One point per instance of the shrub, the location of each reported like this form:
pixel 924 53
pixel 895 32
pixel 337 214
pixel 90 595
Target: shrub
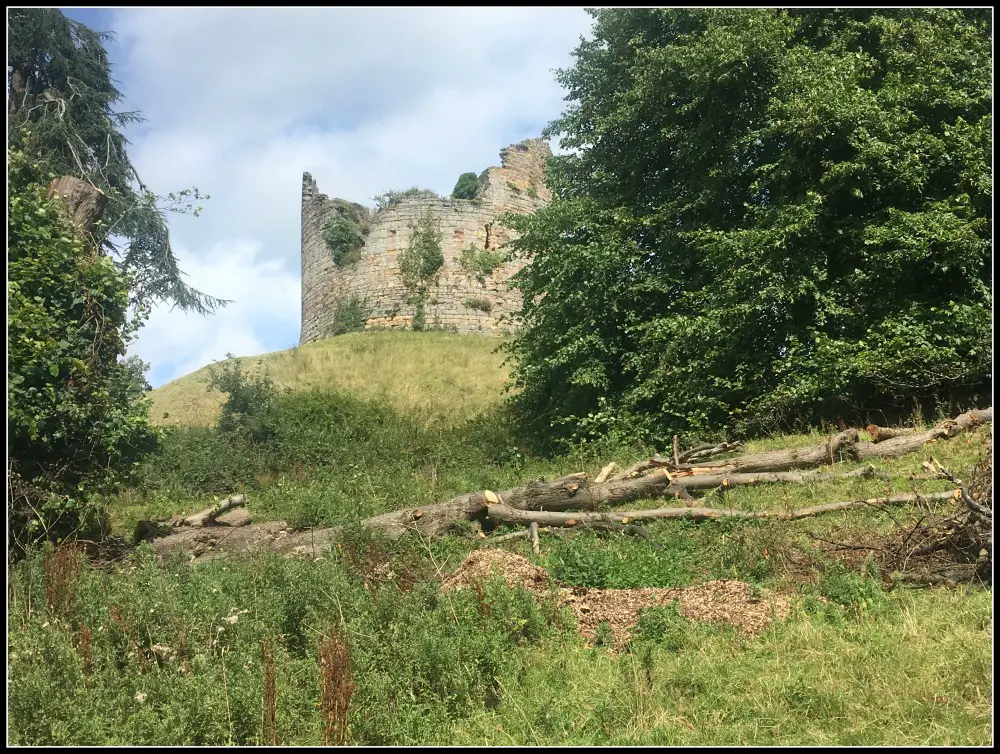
pixel 344 239
pixel 419 265
pixel 856 592
pixel 479 303
pixel 349 315
pixel 391 198
pixel 247 414
pixel 466 187
pixel 480 262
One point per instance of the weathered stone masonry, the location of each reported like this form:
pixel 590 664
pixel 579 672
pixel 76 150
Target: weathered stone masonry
pixel 517 186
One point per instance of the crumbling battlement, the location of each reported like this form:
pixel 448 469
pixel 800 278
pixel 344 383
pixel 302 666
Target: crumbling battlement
pixel 518 185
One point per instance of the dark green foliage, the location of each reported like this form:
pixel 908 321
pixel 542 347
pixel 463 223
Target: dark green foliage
pixel 465 187
pixel 248 413
pixel 76 420
pixel 343 239
pixel 60 88
pixel 345 231
pixel 664 626
pixel 616 561
pixel 854 591
pixel 773 216
pixel 349 315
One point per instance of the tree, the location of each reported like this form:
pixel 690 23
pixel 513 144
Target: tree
pixel 60 88
pixel 465 187
pixel 77 420
pixel 769 216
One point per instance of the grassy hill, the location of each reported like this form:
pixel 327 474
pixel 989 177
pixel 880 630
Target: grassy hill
pixel 428 374
pixel 244 649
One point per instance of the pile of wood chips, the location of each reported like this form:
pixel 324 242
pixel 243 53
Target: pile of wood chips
pixel 734 602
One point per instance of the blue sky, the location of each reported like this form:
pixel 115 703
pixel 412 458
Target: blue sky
pixel 239 102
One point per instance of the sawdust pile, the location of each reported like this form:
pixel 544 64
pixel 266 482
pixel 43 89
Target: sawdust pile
pixel 734 602
pixel 480 565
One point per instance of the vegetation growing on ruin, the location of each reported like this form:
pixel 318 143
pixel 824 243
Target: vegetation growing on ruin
pixel 345 231
pixel 391 197
pixel 419 265
pixel 480 262
pixel 465 187
pixel 478 303
pixel 349 315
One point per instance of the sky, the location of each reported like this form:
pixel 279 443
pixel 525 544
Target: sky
pixel 241 102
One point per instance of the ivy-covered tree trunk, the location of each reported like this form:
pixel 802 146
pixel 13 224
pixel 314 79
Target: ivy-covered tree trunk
pixel 77 420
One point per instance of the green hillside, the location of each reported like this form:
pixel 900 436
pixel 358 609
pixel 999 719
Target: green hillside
pixel 431 374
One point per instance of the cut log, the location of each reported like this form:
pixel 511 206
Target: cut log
pixel 606 472
pixel 911 443
pixel 533 536
pixel 838 447
pixel 637 469
pixel 84 203
pixel 878 434
pixel 208 516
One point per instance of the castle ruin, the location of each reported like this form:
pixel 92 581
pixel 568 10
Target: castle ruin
pixel 458 298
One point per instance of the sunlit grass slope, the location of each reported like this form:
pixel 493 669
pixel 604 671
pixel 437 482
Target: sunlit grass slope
pixel 424 374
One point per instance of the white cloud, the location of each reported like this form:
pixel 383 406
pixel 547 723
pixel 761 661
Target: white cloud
pixel 239 102
pixel 262 317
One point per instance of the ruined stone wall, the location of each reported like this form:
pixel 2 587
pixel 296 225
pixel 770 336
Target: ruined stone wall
pixel 518 185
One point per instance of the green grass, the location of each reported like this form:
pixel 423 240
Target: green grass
pixel 434 376
pixel 852 665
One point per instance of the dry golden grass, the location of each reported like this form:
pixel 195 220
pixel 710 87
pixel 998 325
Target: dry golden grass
pixel 441 376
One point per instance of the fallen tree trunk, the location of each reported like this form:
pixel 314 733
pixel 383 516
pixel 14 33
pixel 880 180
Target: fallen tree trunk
pixel 838 447
pixel 547 503
pixel 910 443
pixel 563 494
pixel 504 514
pixel 711 481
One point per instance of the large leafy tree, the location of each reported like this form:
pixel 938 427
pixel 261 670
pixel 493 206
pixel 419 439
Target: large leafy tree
pixel 768 216
pixel 60 90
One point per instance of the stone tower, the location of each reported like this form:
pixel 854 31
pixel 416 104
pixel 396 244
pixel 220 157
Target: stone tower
pixel 459 299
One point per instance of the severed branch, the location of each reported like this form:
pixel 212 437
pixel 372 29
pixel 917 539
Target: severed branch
pixel 606 473
pixel 878 434
pixel 711 481
pixel 707 451
pixel 912 442
pixel 504 514
pixel 207 517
